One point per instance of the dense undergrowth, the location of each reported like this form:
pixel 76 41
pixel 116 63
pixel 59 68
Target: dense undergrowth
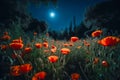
pixel 42 58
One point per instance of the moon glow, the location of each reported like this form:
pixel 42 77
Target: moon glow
pixel 52 14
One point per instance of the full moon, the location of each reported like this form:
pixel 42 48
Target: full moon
pixel 52 14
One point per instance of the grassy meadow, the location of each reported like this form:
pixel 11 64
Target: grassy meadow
pixel 42 58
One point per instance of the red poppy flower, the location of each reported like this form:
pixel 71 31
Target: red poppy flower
pixel 27 50
pixel 45 44
pixel 38 45
pixel 15 70
pixel 3 47
pixel 105 63
pixel 65 51
pixel 39 76
pixel 25 68
pixel 97 33
pixel 71 44
pixel 20 69
pixel 74 39
pixel 16 46
pixel 109 41
pixel 5 37
pixel 75 76
pixel 53 59
pixel 66 44
pixel 86 43
pixel 53 49
pixel 17 40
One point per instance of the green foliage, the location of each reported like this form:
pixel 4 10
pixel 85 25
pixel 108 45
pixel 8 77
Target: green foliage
pixel 15 29
pixel 15 13
pixel 79 60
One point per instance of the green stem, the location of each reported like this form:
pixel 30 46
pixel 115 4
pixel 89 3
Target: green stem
pixel 86 78
pixel 19 58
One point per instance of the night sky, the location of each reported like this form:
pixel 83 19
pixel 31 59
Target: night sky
pixel 64 12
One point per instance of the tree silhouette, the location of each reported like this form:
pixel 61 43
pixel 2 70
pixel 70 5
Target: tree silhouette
pixel 17 10
pixel 81 30
pixel 71 33
pixel 37 26
pixel 65 34
pixel 104 15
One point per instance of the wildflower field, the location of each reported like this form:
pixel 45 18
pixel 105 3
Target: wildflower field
pixel 42 58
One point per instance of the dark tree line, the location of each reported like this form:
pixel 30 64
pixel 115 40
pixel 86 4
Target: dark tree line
pixel 72 30
pixel 104 15
pixel 14 15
